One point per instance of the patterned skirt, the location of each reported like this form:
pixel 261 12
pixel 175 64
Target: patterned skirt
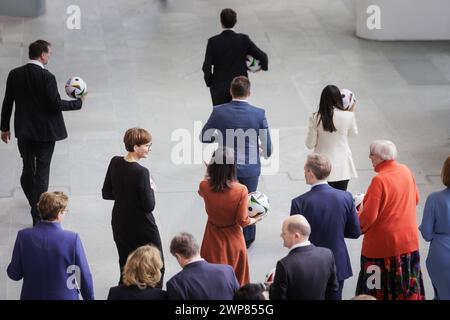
pixel 393 278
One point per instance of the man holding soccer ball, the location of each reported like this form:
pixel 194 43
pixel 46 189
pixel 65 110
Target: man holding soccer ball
pixel 38 119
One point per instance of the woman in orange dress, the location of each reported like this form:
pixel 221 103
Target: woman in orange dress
pixel 227 207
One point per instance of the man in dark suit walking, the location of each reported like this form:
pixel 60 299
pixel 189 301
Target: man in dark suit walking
pixel 199 280
pixel 240 126
pixel 38 120
pixel 307 272
pixel 331 214
pixel 225 58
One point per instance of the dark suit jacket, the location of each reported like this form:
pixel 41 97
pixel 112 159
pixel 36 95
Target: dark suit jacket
pixel 38 115
pixel 227 52
pixel 306 273
pixel 123 292
pixel 332 216
pixel 241 115
pixel 201 280
pixel 46 257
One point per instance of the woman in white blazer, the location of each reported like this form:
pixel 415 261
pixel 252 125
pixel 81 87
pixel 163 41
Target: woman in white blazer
pixel 328 133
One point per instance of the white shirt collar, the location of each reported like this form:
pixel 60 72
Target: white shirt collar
pixel 240 100
pixel 301 244
pixel 37 62
pixel 194 260
pixel 318 183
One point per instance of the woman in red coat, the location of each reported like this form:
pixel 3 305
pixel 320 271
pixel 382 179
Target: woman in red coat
pixel 390 259
pixel 227 207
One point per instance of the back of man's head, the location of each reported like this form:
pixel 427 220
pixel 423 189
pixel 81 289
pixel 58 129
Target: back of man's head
pixel 319 164
pixel 240 87
pixel 185 245
pixel 36 49
pixel 228 18
pixel 298 224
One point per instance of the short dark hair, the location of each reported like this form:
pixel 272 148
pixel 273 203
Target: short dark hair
pixel 228 18
pixel 185 245
pixel 222 169
pixel 136 137
pixel 250 291
pixel 446 172
pixel 36 48
pixel 51 204
pixel 240 86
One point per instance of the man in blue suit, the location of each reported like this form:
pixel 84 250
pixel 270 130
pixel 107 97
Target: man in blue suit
pixel 50 260
pixel 240 126
pixel 199 280
pixel 331 214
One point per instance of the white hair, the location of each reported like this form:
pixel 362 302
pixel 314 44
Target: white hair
pixel 385 149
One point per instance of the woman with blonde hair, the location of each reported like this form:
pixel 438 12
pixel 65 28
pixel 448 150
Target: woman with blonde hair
pixel 141 275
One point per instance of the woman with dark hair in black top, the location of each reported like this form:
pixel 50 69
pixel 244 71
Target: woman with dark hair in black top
pixel 130 186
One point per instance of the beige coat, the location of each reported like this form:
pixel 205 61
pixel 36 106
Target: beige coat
pixel 335 144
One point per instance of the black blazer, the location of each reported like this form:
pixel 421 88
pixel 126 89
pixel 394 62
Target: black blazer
pixel 306 273
pixel 201 280
pixel 123 292
pixel 227 52
pixel 38 115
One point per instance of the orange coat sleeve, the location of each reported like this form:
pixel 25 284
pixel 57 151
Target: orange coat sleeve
pixel 371 204
pixel 242 217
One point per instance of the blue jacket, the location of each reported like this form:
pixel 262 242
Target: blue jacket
pixel 332 216
pixel 240 115
pixel 201 280
pixel 48 258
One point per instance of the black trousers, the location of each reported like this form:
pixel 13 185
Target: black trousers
pixel 36 157
pixel 341 185
pixel 249 232
pixel 125 248
pixel 220 96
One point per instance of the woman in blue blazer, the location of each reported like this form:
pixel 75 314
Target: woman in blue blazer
pixel 435 228
pixel 50 260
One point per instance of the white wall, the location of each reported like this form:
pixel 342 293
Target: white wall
pixel 405 20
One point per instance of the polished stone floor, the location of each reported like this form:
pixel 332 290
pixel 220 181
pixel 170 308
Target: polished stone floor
pixel 142 62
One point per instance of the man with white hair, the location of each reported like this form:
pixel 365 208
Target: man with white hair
pixel 332 215
pixel 307 272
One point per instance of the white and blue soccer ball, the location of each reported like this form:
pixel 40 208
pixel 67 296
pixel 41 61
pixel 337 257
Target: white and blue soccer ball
pixel 348 98
pixel 253 64
pixel 258 204
pixel 76 87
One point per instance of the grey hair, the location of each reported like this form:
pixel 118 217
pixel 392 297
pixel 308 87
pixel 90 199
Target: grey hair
pixel 185 245
pixel 319 164
pixel 385 149
pixel 298 223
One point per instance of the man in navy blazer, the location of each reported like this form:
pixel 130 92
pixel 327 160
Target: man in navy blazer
pixel 331 214
pixel 307 272
pixel 225 58
pixel 199 280
pixel 50 260
pixel 244 128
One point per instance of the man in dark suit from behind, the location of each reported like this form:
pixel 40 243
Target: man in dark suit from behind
pixel 38 120
pixel 199 280
pixel 331 214
pixel 307 272
pixel 225 58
